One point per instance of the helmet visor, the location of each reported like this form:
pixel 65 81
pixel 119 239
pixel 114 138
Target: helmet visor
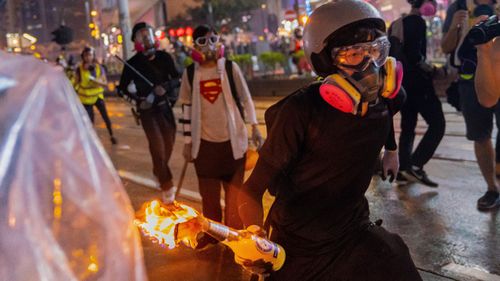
pixel 359 56
pixel 146 37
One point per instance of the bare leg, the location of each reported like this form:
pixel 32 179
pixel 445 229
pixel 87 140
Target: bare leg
pixel 486 160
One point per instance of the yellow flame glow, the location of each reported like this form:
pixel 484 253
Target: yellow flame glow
pixel 159 221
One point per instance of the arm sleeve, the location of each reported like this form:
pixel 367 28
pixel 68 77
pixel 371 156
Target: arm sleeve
pixel 125 79
pixel 286 133
pixel 414 39
pixel 172 70
pixel 390 143
pixel 250 197
pixel 285 138
pixel 244 94
pixel 394 107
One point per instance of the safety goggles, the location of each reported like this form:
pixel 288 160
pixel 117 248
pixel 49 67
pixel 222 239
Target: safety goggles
pixel 360 55
pixel 203 41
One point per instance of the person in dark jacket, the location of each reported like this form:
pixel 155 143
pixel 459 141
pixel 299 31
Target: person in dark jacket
pixel 153 95
pixel 421 97
pixel 322 146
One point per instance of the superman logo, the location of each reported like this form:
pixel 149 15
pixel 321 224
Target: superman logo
pixel 210 89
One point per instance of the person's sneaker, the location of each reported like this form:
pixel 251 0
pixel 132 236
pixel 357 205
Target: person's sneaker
pixel 114 140
pixel 419 175
pixel 402 178
pixel 489 200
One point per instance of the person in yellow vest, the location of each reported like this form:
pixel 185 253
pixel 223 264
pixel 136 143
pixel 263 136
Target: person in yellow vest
pixel 90 81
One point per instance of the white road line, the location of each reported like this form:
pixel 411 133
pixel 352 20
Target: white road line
pixel 147 182
pixel 469 272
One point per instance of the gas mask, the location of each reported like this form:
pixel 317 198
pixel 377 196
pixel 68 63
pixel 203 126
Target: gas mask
pixel 365 60
pixel 146 42
pixel 207 48
pixel 428 9
pixel 365 73
pixel 369 82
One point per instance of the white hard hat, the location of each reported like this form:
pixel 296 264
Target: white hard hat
pixel 329 18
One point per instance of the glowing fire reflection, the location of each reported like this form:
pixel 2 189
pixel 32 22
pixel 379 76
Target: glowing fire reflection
pixel 158 221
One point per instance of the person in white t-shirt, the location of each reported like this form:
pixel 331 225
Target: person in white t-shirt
pixel 216 103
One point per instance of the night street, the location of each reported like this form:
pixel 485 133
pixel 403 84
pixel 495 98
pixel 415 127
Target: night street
pixel 448 237
pixel 102 102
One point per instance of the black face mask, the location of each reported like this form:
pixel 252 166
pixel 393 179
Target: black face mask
pixel 368 82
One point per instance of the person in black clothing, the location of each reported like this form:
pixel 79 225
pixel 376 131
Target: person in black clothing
pixel 322 147
pixel 153 102
pixel 421 97
pixel 479 119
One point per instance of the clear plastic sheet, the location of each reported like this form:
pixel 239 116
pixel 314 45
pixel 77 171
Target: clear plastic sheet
pixel 64 214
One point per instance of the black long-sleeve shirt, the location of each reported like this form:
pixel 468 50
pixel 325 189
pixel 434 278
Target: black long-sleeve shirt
pixel 158 71
pixel 415 42
pixel 319 161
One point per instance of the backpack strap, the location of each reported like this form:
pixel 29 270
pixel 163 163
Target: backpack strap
pixel 234 93
pixel 190 74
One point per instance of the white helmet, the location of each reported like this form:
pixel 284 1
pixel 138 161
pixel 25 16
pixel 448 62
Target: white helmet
pixel 329 18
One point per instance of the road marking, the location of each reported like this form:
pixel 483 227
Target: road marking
pixel 471 272
pixel 147 182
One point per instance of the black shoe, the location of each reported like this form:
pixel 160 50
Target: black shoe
pixel 421 176
pixel 402 179
pixel 489 200
pixel 114 140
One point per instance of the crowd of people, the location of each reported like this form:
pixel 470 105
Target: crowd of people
pixel 324 140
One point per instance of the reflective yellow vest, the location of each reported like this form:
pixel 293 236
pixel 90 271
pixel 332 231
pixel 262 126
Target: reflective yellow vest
pixel 88 91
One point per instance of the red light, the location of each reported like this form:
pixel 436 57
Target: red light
pixel 180 32
pixel 189 31
pixel 171 32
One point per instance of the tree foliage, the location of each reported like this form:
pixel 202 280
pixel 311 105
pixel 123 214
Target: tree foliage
pixel 225 13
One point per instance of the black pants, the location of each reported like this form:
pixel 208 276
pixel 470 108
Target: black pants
pixel 373 254
pixel 159 126
pixel 104 113
pixel 421 99
pixel 215 167
pixel 479 119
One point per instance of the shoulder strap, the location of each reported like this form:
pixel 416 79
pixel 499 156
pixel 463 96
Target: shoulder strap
pixel 234 93
pixel 190 74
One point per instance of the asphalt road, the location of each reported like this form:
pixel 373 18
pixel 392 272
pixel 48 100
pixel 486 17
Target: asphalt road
pixel 448 237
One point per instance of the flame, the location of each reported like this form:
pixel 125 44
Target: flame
pixel 159 221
